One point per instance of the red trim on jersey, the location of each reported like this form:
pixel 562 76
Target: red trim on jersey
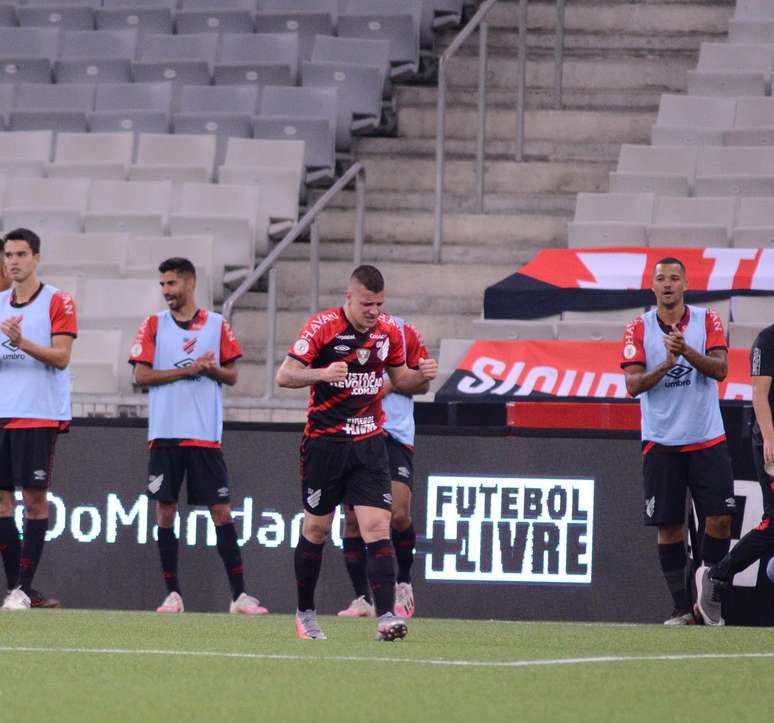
pixel 633 349
pixel 63 314
pixel 688 447
pixel 144 344
pixel 716 338
pixel 648 446
pixel 415 346
pixel 206 443
pixel 62 426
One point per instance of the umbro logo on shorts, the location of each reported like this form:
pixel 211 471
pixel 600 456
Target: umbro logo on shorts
pixel 650 506
pixel 313 497
pixel 223 492
pixel 403 472
pixel 154 483
pixel 387 498
pixel 731 502
pixel 39 475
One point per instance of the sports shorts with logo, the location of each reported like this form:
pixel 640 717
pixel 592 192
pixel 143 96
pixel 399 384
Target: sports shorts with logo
pixel 401 461
pixel 344 472
pixel 203 469
pixel 27 457
pixel 667 473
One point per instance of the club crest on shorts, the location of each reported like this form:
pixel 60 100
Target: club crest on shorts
pixel 363 355
pixel 154 483
pixel 313 497
pixel 650 506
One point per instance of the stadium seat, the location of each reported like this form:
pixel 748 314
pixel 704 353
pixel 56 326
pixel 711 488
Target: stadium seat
pixel 7 15
pixel 735 171
pixel 742 335
pixel 27 55
pixel 257 59
pixel 372 53
pixel 89 56
pixel 62 107
pixel 598 330
pixel 92 155
pixel 117 303
pixel 25 153
pixel 306 18
pixel 64 14
pixel 223 16
pixel 84 253
pixel 661 170
pixel 693 120
pixel 315 133
pixel 174 158
pixel 752 309
pixel 447 12
pixel 181 59
pixel 451 353
pixel 7 92
pixel 222 111
pixel 139 207
pixel 96 360
pixel 751 31
pixel 692 221
pixel 730 70
pixel 67 283
pixel 149 16
pixel 140 107
pixel 755 223
pixel 515 328
pixel 753 123
pixel 610 219
pixel 754 10
pixel 232 214
pixel 621 315
pixel 46 203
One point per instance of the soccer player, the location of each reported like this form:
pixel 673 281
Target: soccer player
pixel 673 357
pixel 342 355
pixel 37 326
pixel 185 355
pixel 399 438
pixel 759 542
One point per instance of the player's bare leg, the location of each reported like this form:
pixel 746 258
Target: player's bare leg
pixel 403 540
pixel 355 561
pixel 308 560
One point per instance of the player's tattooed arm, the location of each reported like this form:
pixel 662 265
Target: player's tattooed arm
pixel 714 364
pixel 409 381
pixel 57 355
pixel 638 380
pixel 292 374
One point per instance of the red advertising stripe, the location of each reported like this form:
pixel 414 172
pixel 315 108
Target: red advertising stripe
pixel 573 415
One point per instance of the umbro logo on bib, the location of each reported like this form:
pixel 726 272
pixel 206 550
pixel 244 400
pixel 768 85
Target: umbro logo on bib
pixel 8 345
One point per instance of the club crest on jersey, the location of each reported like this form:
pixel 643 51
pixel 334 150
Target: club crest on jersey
pixel 363 355
pixel 384 349
pixel 189 344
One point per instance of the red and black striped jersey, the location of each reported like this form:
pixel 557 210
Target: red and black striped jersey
pixel 350 409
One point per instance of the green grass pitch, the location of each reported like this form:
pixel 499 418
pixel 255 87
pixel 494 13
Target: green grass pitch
pixel 119 666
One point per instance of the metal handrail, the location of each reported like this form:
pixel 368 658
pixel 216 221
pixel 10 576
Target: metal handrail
pixel 268 265
pixel 479 20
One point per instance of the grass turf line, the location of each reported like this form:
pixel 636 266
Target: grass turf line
pixel 61 686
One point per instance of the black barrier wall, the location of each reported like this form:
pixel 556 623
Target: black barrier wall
pixel 565 541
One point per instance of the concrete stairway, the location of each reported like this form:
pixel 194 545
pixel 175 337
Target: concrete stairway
pixel 619 58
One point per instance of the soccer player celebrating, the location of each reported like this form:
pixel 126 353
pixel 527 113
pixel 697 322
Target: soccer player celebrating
pixel 185 355
pixel 399 438
pixel 342 355
pixel 37 326
pixel 673 357
pixel 758 542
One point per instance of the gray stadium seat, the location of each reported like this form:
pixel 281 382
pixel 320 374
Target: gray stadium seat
pixel 84 253
pixel 8 15
pixel 92 155
pixel 317 135
pixel 257 59
pixel 742 335
pixel 96 362
pixel 611 219
pixel 447 12
pixel 662 170
pixel 139 107
pixel 7 93
pixel 307 18
pixel 89 56
pixel 752 309
pixel 735 171
pixel 140 207
pixel 150 16
pixel 182 59
pixel 223 111
pixel 753 123
pixel 619 315
pixel 62 107
pixel 373 53
pixel 46 203
pixel 730 70
pixel 692 221
pixel 451 353
pixel 397 21
pixel 751 31
pixel 754 223
pixel 223 16
pixel 544 328
pixel 179 157
pixel 754 10
pixel 598 330
pixel 25 153
pixel 693 120
pixel 64 14
pixel 28 54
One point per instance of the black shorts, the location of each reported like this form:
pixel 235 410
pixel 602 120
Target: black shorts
pixel 767 482
pixel 202 468
pixel 345 472
pixel 668 474
pixel 401 461
pixel 27 457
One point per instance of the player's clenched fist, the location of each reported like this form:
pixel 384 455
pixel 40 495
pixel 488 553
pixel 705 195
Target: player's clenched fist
pixel 336 372
pixel 428 368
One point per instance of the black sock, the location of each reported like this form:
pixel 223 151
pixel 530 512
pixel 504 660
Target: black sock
pixel 380 559
pixel 355 560
pixel 10 546
pixel 308 560
pixel 757 543
pixel 228 549
pixel 673 559
pixel 404 542
pixel 31 551
pixel 168 554
pixel 713 550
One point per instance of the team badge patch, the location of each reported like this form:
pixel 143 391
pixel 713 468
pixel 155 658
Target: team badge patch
pixel 301 347
pixel 630 351
pixel 136 349
pixel 363 355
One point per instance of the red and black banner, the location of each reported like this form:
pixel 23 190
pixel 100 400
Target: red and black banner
pixel 547 369
pixel 597 279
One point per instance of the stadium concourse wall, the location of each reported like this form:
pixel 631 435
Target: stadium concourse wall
pixel 513 523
